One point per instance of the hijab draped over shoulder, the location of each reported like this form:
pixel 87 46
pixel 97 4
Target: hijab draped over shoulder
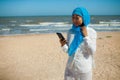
pixel 78 38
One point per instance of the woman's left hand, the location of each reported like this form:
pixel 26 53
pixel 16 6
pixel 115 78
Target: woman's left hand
pixel 84 31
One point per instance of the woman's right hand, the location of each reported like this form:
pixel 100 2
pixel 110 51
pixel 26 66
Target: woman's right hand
pixel 63 42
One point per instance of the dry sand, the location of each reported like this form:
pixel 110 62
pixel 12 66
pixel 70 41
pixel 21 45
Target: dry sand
pixel 39 57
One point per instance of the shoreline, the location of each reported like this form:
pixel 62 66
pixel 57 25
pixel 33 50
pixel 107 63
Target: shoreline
pixel 52 33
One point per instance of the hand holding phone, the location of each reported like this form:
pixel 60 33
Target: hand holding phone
pixel 60 36
pixel 62 39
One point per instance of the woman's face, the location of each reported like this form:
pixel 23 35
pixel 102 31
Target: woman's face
pixel 77 20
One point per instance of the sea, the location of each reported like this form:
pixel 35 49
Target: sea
pixel 22 25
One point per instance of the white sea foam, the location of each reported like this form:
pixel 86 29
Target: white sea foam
pixel 56 24
pixel 98 24
pixel 66 24
pixel 5 29
pixel 61 29
pixel 106 29
pixel 52 23
pixel 114 24
pixel 106 24
pixel 63 25
pixel 111 22
pixel 50 29
pixel 26 25
pixel 38 29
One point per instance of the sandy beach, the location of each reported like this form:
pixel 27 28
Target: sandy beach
pixel 40 57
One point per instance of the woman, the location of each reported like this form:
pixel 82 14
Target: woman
pixel 80 46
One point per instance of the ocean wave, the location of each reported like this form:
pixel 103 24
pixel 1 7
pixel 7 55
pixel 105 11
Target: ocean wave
pixel 106 28
pixel 1 25
pixel 63 25
pixel 56 24
pixel 13 21
pixel 29 21
pixel 5 29
pixel 53 23
pixel 114 24
pixel 66 24
pixel 27 25
pixel 98 25
pixel 38 29
pixel 110 22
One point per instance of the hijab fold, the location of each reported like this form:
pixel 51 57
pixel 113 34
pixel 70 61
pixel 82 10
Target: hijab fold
pixel 76 30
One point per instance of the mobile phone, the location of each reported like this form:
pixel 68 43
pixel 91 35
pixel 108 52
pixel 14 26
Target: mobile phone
pixel 60 36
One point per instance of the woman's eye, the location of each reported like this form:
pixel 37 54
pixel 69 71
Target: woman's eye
pixel 77 18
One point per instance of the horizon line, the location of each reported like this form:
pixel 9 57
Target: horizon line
pixel 50 15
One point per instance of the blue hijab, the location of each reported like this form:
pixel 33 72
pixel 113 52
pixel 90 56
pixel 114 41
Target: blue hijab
pixel 78 38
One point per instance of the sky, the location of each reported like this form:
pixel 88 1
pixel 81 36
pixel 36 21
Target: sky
pixel 57 7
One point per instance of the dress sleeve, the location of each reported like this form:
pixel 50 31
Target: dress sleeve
pixel 90 43
pixel 65 48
